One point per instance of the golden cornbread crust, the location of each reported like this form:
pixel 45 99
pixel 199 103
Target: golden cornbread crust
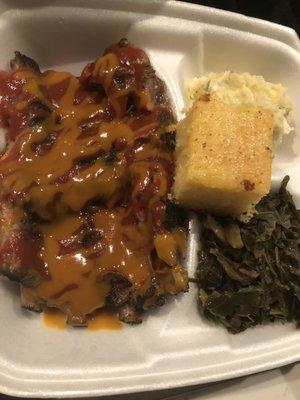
pixel 223 157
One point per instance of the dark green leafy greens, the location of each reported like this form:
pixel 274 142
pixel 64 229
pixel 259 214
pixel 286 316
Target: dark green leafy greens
pixel 175 216
pixel 249 273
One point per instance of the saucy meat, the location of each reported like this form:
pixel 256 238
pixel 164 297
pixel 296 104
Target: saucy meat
pixel 84 184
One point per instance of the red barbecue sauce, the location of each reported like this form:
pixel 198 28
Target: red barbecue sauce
pixel 87 149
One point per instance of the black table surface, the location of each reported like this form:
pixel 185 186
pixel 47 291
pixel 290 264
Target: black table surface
pixel 285 12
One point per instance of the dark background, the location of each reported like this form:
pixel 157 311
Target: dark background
pixel 285 12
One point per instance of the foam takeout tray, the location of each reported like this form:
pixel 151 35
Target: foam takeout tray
pixel 173 346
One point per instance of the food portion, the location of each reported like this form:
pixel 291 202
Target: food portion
pixel 249 90
pixel 223 157
pixel 249 262
pixel 86 176
pixel 249 273
pixel 225 142
pixel 84 183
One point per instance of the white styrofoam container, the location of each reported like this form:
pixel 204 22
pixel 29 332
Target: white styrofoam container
pixel 174 346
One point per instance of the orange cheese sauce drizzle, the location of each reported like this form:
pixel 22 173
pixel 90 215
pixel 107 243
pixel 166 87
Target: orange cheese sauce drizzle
pixel 92 176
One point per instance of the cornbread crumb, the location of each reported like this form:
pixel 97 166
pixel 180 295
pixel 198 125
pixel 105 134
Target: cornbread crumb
pixel 223 157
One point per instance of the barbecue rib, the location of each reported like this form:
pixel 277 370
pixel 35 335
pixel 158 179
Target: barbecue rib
pixel 84 184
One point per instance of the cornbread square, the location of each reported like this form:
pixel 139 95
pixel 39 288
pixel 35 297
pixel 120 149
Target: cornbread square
pixel 223 157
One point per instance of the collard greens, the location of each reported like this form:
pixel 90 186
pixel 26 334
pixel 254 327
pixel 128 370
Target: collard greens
pixel 249 273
